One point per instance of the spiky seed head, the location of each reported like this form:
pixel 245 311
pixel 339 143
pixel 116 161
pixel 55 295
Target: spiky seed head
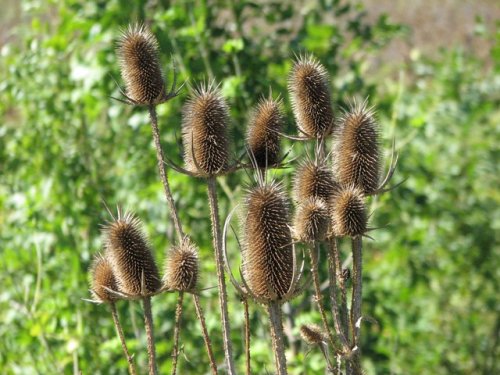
pixel 357 154
pixel 312 220
pixel 205 120
pixel 312 334
pixel 308 85
pixel 268 264
pixel 349 216
pixel 130 256
pixel 313 180
pixel 140 65
pixel 263 132
pixel 102 279
pixel 182 268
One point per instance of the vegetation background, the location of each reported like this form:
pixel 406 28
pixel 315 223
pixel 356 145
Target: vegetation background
pixel 431 276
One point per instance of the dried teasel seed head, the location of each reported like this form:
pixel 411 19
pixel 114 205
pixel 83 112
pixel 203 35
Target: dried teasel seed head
pixel 357 152
pixel 268 263
pixel 182 268
pixel 308 84
pixel 312 220
pixel 349 216
pixel 313 180
pixel 140 66
pixel 130 256
pixel 102 279
pixel 205 123
pixel 263 132
pixel 312 334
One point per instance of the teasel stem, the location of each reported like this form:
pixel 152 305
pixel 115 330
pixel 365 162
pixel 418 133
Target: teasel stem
pixel 148 322
pixel 160 156
pixel 276 326
pixel 177 329
pixel 119 330
pixel 356 299
pixel 247 336
pixel 206 338
pixel 313 251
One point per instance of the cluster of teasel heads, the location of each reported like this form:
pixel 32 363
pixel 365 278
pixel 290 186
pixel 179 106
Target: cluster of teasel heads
pixel 330 189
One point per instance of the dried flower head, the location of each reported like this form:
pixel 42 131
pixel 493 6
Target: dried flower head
pixel 102 280
pixel 140 66
pixel 129 254
pixel 263 132
pixel 313 180
pixel 205 123
pixel 312 220
pixel 312 334
pixel 310 95
pixel 268 262
pixel 357 152
pixel 349 216
pixel 182 268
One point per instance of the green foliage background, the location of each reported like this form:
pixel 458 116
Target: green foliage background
pixel 431 275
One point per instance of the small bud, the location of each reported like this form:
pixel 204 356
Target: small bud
pixel 312 334
pixel 181 269
pixel 313 180
pixel 348 212
pixel 311 220
pixel 102 279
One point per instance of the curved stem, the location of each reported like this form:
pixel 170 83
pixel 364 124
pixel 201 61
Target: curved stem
pixel 177 329
pixel 163 173
pixel 357 290
pixel 119 330
pixel 148 322
pixel 247 336
pixel 206 338
pixel 276 327
pixel 219 262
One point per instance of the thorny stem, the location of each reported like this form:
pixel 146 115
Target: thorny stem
pixel 160 156
pixel 317 290
pixel 177 329
pixel 208 344
pixel 247 336
pixel 119 330
pixel 219 262
pixel 357 290
pixel 276 327
pixel 148 322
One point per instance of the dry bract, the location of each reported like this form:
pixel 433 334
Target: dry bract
pixel 313 180
pixel 102 280
pixel 312 220
pixel 349 216
pixel 182 268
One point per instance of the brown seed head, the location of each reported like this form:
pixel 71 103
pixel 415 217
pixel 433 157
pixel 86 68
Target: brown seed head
pixel 310 95
pixel 313 180
pixel 129 254
pixel 312 220
pixel 140 66
pixel 181 268
pixel 263 132
pixel 102 277
pixel 268 264
pixel 312 334
pixel 349 216
pixel 357 152
pixel 205 132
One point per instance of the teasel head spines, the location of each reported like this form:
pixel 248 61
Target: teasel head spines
pixel 312 334
pixel 357 151
pixel 263 138
pixel 130 256
pixel 139 58
pixel 312 220
pixel 348 212
pixel 103 283
pixel 309 89
pixel 313 179
pixel 205 138
pixel 182 268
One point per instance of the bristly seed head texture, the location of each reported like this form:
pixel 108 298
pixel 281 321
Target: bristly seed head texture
pixel 182 268
pixel 349 216
pixel 313 180
pixel 357 152
pixel 308 85
pixel 312 220
pixel 129 254
pixel 263 137
pixel 312 334
pixel 102 279
pixel 268 263
pixel 140 66
pixel 205 121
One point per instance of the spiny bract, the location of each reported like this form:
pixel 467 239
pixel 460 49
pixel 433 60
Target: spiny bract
pixel 181 268
pixel 349 216
pixel 102 280
pixel 313 180
pixel 312 220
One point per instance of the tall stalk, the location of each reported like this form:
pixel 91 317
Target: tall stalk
pixel 277 337
pixel 177 328
pixel 219 262
pixel 119 330
pixel 148 322
pixel 204 331
pixel 247 337
pixel 357 289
